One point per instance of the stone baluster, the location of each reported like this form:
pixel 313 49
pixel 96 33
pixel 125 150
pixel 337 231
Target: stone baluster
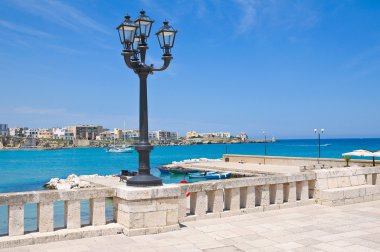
pixel 198 203
pixel 302 190
pixel 232 199
pixel 182 205
pixel 16 219
pixel 369 178
pixel 376 179
pixel 215 201
pixel 45 216
pixel 279 199
pixel 115 206
pixel 292 196
pixel 262 195
pixel 97 211
pixel 247 197
pixel 72 214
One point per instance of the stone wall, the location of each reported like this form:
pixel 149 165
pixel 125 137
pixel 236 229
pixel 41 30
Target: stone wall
pixel 295 161
pixel 138 211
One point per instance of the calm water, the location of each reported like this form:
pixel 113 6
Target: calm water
pixel 25 170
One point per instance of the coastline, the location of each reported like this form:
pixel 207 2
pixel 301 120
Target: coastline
pixel 102 144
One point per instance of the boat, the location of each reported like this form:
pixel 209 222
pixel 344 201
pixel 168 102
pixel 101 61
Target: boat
pixel 164 170
pixel 121 149
pixel 200 174
pixel 182 171
pixel 223 175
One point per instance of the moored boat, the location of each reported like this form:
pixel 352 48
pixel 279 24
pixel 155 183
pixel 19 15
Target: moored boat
pixel 164 170
pixel 121 149
pixel 182 171
pixel 223 175
pixel 200 174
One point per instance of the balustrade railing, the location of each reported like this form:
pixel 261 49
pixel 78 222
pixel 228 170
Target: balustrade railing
pixel 229 197
pixel 15 202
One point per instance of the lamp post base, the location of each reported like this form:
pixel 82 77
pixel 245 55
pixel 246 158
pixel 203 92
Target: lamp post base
pixel 144 180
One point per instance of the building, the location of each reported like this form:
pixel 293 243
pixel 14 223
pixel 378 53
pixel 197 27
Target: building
pixel 243 137
pixel 45 133
pixel 224 135
pixel 31 133
pixel 17 132
pixel 106 135
pixel 131 134
pixel 85 132
pixel 192 134
pixel 62 133
pixel 118 133
pixel 4 131
pixel 165 136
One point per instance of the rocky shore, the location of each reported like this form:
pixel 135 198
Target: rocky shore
pixel 14 143
pixel 72 182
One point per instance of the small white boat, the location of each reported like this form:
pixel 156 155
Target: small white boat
pixel 122 149
pixel 222 175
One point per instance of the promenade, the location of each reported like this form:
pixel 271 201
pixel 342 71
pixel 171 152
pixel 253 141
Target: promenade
pixel 315 227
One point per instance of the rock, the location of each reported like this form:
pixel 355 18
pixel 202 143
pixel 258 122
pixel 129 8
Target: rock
pixel 71 182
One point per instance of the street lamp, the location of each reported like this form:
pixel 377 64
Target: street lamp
pixel 319 132
pixel 265 145
pixel 133 37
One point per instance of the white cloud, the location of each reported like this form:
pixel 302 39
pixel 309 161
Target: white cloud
pixel 248 18
pixel 25 110
pixel 23 29
pixel 60 13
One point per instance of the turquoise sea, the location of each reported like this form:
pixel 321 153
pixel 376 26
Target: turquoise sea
pixel 26 170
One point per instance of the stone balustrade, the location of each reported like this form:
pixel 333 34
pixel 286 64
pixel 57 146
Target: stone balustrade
pixel 148 210
pixel 244 195
pixel 44 200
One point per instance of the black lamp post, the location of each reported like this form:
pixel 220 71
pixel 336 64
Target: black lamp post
pixel 319 132
pixel 133 37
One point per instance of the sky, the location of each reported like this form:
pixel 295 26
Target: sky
pixel 283 66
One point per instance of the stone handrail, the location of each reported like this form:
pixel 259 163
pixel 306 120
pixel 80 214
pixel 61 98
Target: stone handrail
pixel 45 208
pixel 249 194
pixel 150 210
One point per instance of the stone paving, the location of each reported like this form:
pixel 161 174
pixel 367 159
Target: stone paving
pixel 308 228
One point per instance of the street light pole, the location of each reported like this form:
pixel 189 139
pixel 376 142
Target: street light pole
pixel 319 132
pixel 133 36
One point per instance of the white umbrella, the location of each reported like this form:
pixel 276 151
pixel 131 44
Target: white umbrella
pixel 376 153
pixel 363 153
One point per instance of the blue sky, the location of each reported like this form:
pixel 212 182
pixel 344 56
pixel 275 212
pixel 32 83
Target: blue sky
pixel 285 67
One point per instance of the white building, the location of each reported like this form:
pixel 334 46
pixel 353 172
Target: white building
pixel 224 135
pixel 31 133
pixel 106 135
pixel 131 134
pixel 17 132
pixel 165 136
pixel 62 133
pixel 243 137
pixel 4 131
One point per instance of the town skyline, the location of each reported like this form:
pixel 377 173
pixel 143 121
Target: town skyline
pixel 301 65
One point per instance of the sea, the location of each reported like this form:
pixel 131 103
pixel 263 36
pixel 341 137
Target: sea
pixel 29 170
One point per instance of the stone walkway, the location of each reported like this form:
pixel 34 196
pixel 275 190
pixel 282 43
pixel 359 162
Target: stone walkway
pixel 309 228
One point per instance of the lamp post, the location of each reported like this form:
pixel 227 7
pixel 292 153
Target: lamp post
pixel 265 145
pixel 319 132
pixel 133 36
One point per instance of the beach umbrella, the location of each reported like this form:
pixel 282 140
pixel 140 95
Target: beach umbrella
pixel 363 153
